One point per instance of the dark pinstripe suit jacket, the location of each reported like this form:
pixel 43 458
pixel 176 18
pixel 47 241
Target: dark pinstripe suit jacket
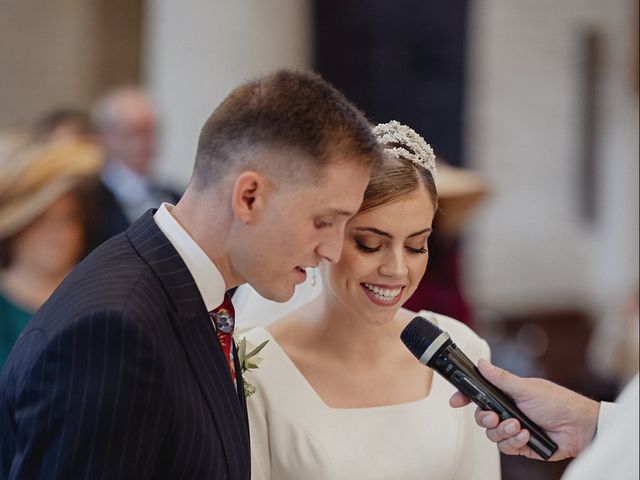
pixel 119 375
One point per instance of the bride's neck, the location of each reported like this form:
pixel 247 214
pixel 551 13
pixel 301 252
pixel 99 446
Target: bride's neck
pixel 346 336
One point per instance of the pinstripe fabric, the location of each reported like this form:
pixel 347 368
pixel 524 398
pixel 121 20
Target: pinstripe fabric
pixel 119 376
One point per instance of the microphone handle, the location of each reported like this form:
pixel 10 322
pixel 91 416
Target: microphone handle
pixel 462 373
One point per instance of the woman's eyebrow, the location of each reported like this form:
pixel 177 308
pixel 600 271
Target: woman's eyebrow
pixel 388 235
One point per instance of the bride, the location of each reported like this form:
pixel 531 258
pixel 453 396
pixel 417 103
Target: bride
pixel 338 396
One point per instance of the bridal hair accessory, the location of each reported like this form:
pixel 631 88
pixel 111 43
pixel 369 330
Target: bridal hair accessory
pixel 403 142
pixel 314 279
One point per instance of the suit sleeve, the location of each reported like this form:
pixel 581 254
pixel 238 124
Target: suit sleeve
pixel 90 404
pixel 480 458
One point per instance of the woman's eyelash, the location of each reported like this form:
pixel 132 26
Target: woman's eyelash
pixel 365 249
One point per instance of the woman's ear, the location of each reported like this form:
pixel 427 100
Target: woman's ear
pixel 249 196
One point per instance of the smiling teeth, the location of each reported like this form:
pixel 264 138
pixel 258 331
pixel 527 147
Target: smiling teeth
pixel 384 294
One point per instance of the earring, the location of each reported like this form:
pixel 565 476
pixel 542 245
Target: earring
pixel 314 279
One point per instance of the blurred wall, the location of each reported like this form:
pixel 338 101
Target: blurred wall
pixel 198 50
pixel 531 247
pixel 57 53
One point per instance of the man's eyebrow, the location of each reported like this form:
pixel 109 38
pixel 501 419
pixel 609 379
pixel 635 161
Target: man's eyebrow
pixel 338 211
pixel 388 235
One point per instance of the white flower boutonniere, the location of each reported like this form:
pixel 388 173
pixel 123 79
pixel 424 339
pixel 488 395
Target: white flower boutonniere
pixel 248 359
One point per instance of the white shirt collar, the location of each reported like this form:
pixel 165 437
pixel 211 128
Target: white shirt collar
pixel 207 277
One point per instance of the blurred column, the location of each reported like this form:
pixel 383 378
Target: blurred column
pixel 196 51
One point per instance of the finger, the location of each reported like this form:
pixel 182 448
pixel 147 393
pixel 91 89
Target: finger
pixel 501 378
pixel 516 445
pixel 458 400
pixel 507 429
pixel 486 418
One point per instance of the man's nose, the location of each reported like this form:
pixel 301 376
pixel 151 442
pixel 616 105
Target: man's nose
pixel 330 248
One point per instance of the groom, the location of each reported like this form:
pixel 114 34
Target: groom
pixel 123 372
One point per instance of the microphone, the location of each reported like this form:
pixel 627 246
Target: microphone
pixel 434 348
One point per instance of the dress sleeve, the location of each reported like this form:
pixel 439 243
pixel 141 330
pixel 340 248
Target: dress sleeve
pixel 260 448
pixel 479 458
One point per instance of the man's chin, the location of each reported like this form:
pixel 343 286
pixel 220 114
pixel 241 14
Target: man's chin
pixel 280 295
pixel 285 297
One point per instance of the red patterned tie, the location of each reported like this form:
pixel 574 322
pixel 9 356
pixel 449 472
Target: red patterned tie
pixel 224 321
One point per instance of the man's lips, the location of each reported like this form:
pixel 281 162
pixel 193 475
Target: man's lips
pixel 302 273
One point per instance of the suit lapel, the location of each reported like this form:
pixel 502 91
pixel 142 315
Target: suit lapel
pixel 240 382
pixel 212 372
pixel 197 335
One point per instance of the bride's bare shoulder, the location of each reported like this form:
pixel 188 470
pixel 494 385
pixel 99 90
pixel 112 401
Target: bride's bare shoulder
pixel 282 326
pixel 294 328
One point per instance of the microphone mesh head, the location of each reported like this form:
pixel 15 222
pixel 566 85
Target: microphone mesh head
pixel 418 335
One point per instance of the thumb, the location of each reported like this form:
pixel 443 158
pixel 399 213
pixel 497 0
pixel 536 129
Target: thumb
pixel 504 380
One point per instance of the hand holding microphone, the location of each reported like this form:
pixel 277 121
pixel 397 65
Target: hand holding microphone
pixel 548 412
pixel 569 419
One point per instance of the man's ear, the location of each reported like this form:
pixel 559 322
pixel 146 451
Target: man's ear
pixel 249 196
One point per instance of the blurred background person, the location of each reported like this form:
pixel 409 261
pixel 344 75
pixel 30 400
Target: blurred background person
pixel 127 127
pixel 45 226
pixel 63 123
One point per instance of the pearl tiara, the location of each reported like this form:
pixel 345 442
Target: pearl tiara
pixel 401 141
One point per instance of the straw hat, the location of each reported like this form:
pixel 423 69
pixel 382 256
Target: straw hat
pixel 460 191
pixel 34 177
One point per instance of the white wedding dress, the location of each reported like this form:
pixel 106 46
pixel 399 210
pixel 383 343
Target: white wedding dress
pixel 296 436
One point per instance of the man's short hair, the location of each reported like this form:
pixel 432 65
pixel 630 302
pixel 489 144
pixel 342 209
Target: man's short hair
pixel 288 111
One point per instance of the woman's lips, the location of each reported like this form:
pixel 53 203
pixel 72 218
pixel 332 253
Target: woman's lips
pixel 382 295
